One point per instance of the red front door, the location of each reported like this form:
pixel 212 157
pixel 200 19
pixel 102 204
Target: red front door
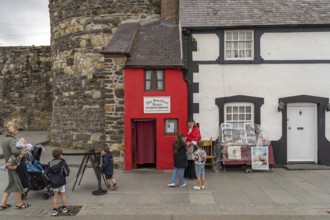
pixel 144 143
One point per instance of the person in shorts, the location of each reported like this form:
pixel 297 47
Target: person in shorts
pixel 57 172
pixel 200 157
pixel 107 168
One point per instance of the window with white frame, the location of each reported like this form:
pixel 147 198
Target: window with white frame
pixel 239 45
pixel 239 113
pixel 154 80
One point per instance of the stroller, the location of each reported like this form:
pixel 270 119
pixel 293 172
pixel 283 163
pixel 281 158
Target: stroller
pixel 32 174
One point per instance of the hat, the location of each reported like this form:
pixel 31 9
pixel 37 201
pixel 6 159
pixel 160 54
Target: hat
pixel 190 120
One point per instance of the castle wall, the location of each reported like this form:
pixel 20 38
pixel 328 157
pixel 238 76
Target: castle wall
pixel 25 86
pixel 88 98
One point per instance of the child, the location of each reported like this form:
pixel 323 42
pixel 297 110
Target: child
pixel 107 168
pixel 22 144
pixel 180 160
pixel 57 171
pixel 200 157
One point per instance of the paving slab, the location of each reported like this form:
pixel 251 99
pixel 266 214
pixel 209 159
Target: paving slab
pixel 143 194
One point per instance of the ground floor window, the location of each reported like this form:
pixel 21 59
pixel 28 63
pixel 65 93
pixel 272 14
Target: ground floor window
pixel 239 113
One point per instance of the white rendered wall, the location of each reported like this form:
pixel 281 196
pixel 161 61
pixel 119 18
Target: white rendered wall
pixel 207 47
pixel 268 81
pixel 295 46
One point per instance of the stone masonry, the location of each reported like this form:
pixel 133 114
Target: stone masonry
pixel 70 88
pixel 26 87
pixel 87 89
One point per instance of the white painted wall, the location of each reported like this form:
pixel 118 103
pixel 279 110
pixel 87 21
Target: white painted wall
pixel 295 46
pixel 207 47
pixel 269 81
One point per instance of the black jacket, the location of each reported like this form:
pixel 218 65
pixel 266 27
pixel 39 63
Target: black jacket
pixel 180 157
pixel 57 171
pixel 107 164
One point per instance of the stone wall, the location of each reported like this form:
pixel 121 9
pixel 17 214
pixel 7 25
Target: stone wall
pixel 26 87
pixel 88 100
pixel 114 107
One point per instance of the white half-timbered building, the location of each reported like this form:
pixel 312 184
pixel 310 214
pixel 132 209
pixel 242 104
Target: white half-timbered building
pixel 264 62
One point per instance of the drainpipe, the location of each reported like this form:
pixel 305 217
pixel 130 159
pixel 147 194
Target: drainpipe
pixel 186 75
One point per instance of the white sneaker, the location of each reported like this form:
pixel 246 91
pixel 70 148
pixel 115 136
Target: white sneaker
pixel 64 209
pixel 202 187
pixel 197 187
pixel 54 212
pixel 184 184
pixel 171 184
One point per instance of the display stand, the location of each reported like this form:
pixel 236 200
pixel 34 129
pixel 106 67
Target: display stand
pixel 95 159
pixel 240 142
pixel 245 159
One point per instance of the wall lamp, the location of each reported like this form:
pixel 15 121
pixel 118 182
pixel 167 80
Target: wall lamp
pixel 327 107
pixel 281 106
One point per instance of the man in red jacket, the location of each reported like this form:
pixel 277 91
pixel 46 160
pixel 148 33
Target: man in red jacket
pixel 192 134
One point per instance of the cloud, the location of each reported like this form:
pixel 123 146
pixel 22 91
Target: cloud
pixel 24 22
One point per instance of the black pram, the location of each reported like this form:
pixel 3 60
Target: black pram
pixel 32 173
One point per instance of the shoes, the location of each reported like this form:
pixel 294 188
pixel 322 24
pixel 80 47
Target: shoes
pixel 109 187
pixel 54 212
pixel 202 187
pixel 64 209
pixel 23 206
pixel 171 184
pixel 115 186
pixel 2 207
pixel 196 188
pixel 184 184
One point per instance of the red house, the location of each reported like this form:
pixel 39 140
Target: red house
pixel 156 94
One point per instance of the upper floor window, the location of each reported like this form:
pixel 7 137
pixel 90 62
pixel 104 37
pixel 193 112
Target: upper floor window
pixel 239 113
pixel 239 45
pixel 154 80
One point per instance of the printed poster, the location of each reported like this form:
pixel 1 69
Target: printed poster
pixel 259 158
pixel 234 153
pixel 157 104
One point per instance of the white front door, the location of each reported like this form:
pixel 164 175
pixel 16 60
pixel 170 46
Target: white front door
pixel 302 132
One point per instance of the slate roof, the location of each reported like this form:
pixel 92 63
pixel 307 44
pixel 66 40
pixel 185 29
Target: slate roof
pixel 233 13
pixel 153 43
pixel 121 42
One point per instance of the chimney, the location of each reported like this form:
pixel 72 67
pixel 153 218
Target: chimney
pixel 169 10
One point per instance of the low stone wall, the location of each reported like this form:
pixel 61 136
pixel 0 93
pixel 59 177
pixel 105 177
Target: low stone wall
pixel 26 86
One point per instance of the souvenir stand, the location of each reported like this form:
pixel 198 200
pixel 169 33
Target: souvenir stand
pixel 246 146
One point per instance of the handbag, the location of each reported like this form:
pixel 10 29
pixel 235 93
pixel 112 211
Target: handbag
pixel 13 162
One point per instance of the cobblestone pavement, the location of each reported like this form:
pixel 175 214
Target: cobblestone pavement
pixel 143 194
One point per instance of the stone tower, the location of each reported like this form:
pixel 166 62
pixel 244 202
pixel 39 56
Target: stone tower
pixel 87 90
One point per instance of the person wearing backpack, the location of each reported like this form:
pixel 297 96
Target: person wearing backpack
pixel 57 172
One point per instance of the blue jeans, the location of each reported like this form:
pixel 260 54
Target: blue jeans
pixel 175 173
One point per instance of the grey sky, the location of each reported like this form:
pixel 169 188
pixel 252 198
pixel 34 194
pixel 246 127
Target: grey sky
pixel 24 22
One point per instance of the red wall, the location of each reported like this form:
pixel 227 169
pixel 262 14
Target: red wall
pixel 176 88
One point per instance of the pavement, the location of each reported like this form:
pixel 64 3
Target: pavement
pixel 143 194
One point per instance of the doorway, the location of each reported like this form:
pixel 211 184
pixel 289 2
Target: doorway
pixel 302 133
pixel 144 143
